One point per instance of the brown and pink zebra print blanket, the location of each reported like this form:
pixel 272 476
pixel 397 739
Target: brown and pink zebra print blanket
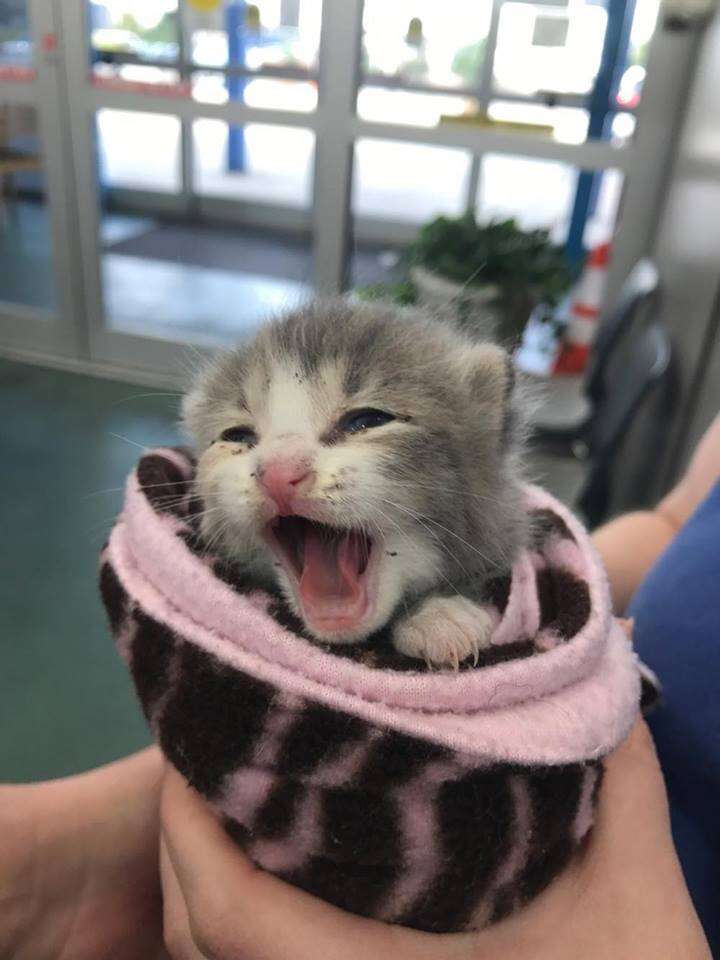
pixel 443 800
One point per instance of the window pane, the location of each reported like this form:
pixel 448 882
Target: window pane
pixel 442 44
pixel 133 28
pixel 633 77
pixel 139 150
pixel 278 33
pixel 209 267
pixel 538 193
pixel 267 164
pixel 565 124
pixel 623 128
pixel 642 30
pixel 15 43
pixel 26 265
pixel 541 193
pixel 408 182
pixel 134 77
pixel 266 93
pixel 380 105
pixel 397 187
pixel 549 48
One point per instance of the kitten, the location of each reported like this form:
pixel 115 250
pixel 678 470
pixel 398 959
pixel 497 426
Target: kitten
pixel 365 459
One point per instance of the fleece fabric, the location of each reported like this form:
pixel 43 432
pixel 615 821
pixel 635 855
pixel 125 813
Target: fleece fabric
pixel 438 800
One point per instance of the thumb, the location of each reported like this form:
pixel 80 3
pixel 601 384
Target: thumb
pixel 633 812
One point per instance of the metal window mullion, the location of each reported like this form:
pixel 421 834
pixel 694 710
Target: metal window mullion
pixel 187 157
pixel 97 99
pixel 189 66
pixel 339 71
pixel 484 93
pixel 50 106
pixel 82 117
pixel 595 155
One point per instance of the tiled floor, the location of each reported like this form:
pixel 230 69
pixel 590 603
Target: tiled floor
pixel 65 699
pixel 66 444
pixel 26 265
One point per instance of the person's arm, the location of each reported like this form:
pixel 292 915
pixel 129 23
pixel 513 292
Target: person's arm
pixel 631 544
pixel 79 866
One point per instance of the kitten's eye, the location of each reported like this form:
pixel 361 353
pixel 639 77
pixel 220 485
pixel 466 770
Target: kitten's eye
pixel 365 419
pixel 240 435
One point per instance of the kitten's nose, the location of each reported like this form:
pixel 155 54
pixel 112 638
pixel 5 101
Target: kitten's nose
pixel 283 479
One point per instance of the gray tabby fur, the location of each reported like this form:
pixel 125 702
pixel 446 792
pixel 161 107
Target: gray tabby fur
pixel 441 486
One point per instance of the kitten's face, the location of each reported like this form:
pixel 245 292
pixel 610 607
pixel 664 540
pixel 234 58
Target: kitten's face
pixel 359 458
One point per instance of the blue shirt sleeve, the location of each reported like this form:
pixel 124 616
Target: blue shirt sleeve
pixel 677 633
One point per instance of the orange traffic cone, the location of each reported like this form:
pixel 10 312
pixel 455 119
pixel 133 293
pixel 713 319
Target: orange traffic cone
pixel 584 312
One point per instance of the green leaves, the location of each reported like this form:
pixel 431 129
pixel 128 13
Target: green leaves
pixel 521 262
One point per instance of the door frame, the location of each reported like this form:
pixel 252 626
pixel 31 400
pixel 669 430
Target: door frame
pixel 58 331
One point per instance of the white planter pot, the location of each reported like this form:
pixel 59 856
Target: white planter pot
pixel 474 308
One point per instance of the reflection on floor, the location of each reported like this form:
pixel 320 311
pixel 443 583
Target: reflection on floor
pixel 185 302
pixel 176 280
pixel 26 266
pixel 66 701
pixel 199 282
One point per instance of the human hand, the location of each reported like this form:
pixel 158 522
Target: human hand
pixel 78 865
pixel 625 898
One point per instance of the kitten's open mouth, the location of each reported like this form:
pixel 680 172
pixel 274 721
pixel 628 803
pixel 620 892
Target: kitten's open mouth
pixel 328 568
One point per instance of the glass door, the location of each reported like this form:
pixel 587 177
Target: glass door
pixel 38 313
pixel 503 108
pixel 233 158
pixel 194 129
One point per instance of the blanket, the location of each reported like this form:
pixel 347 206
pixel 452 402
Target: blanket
pixel 441 800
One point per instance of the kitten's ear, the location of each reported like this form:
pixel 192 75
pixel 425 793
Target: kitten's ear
pixel 490 373
pixel 200 405
pixel 191 411
pixel 490 377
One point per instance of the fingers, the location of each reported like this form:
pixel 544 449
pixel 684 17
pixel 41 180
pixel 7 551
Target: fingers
pixel 632 773
pixel 235 910
pixel 632 827
pixel 177 933
pixel 201 852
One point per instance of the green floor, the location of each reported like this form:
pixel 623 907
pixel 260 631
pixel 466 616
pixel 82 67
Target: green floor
pixel 66 702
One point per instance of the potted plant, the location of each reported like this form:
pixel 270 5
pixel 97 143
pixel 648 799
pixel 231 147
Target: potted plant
pixel 487 276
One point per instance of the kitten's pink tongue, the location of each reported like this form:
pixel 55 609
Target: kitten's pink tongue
pixel 330 585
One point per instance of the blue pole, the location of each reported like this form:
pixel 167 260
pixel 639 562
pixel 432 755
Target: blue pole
pixel 235 26
pixel 612 64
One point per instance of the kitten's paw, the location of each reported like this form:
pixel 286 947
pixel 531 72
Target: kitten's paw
pixel 444 631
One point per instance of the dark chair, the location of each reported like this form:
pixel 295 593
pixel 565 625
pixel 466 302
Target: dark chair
pixel 639 300
pixel 641 369
pixel 637 303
